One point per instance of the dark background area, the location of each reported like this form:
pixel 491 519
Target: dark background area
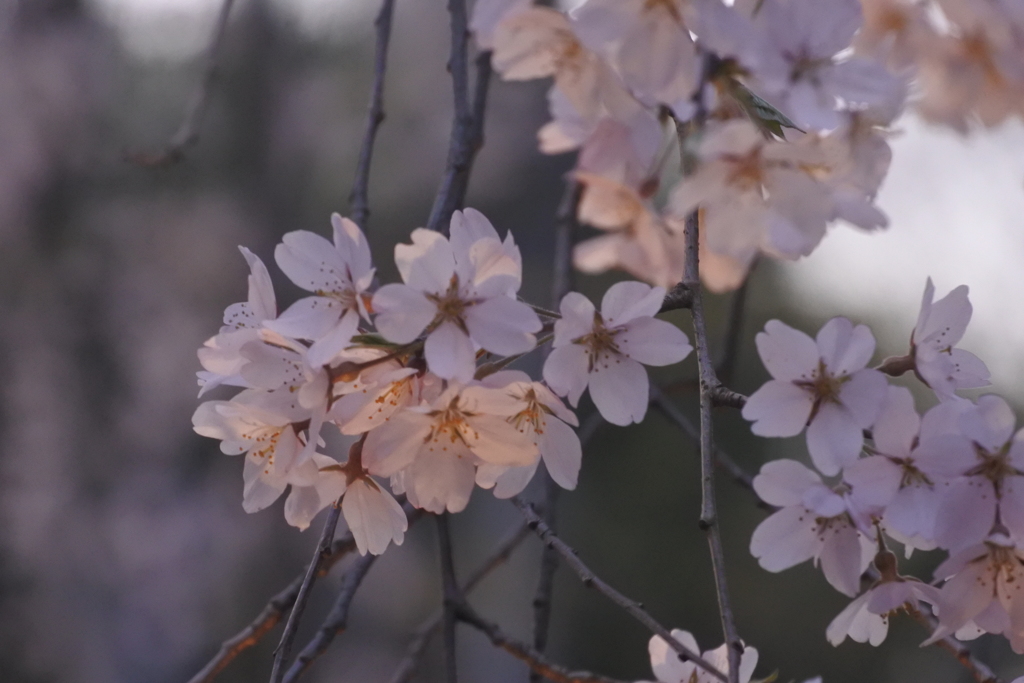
pixel 125 555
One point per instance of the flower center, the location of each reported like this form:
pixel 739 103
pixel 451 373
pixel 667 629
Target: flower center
pixel 994 466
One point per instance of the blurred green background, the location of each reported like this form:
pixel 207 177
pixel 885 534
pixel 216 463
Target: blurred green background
pixel 125 555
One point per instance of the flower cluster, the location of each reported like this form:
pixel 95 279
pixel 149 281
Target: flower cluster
pixel 791 100
pixel 412 374
pixel 952 478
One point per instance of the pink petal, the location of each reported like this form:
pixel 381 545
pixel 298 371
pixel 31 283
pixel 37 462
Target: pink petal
pixel 566 371
pixel 863 394
pixel 402 312
pixel 783 482
pixel 834 439
pixel 619 388
pixel 449 353
pixel 577 319
pixel 845 348
pixel 627 300
pixel 966 513
pixel 562 453
pixel 897 425
pixel 503 326
pixel 787 354
pixel 785 539
pixel 779 408
pixel 653 342
pixel 841 559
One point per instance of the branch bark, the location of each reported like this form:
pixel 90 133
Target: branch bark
pixel 359 203
pixel 188 132
pixel 323 549
pixel 336 621
pixel 451 596
pixel 467 135
pixel 591 580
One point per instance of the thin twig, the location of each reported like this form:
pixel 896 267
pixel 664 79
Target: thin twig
pixel 979 670
pixel 323 548
pixel 590 580
pixel 467 124
pixel 708 508
pixel 534 659
pixel 452 596
pixel 336 621
pixel 561 283
pixel 278 606
pixel 188 132
pixel 722 459
pixel 678 297
pixel 428 629
pixel 359 203
pixel 267 619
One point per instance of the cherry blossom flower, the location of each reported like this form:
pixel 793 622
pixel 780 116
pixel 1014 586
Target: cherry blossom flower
pixel 339 274
pixel 802 73
pixel 820 384
pixel 898 477
pixel 460 292
pixel 545 419
pixel 439 444
pixel 265 428
pixel 638 240
pixel 814 522
pixel 605 350
pixel 984 462
pixel 669 667
pixel 648 42
pixel 866 619
pixel 940 326
pixel 984 584
pixel 755 195
pixel 221 356
pixel 373 515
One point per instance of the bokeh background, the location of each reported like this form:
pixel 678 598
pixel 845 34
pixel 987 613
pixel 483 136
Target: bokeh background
pixel 125 556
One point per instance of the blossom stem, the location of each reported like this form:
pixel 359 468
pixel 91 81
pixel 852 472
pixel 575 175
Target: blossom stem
pixel 188 132
pixel 452 596
pixel 978 670
pixel 591 580
pixel 336 621
pixel 359 205
pixel 561 284
pixel 468 123
pixel 323 549
pixel 428 629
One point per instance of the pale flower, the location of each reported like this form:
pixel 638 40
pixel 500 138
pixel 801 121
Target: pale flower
pixel 460 292
pixel 866 619
pixel 984 584
pixel 221 356
pixel 605 350
pixel 648 42
pixel 373 515
pixel 669 667
pixel 820 384
pixel 940 326
pixel 339 275
pixel 437 445
pixel 546 421
pixel 637 239
pixel 814 522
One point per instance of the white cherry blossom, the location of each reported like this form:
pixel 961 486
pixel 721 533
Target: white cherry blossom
pixel 459 292
pixel 605 350
pixel 339 275
pixel 373 515
pixel 668 666
pixel 221 356
pixel 815 522
pixel 940 326
pixel 546 420
pixel 866 619
pixel 821 384
pixel 439 444
pixel 984 584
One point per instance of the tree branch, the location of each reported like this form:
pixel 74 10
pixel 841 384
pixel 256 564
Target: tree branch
pixel 467 135
pixel 978 670
pixel 452 596
pixel 678 297
pixel 359 203
pixel 722 459
pixel 534 659
pixel 323 548
pixel 336 621
pixel 590 580
pixel 708 509
pixel 188 132
pixel 428 629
